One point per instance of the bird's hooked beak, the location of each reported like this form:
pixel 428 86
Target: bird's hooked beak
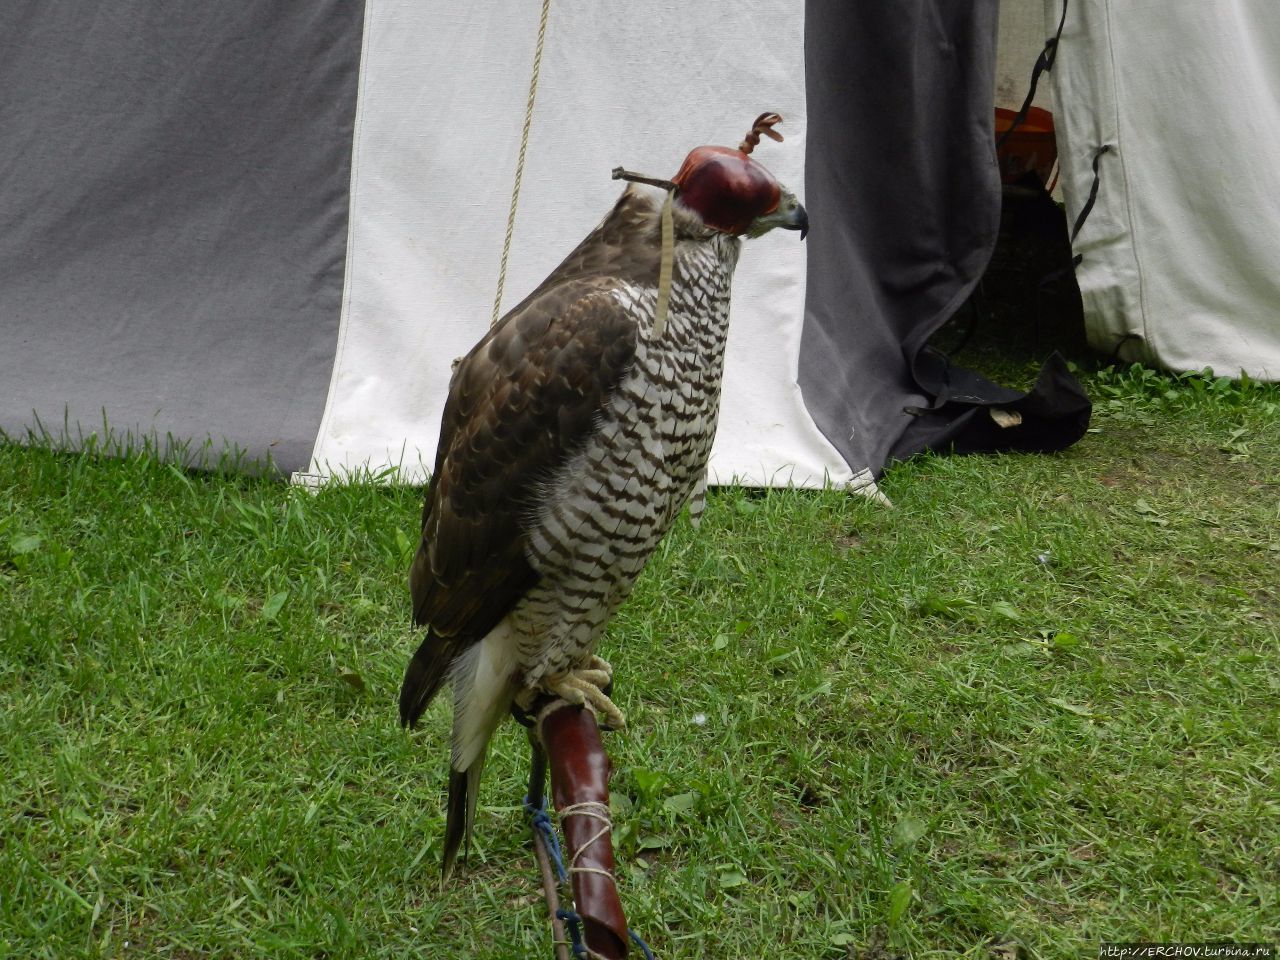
pixel 789 214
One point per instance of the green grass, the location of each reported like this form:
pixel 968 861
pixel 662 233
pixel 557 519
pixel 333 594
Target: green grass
pixel 1034 707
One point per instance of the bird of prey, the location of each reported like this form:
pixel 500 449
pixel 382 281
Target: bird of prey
pixel 573 434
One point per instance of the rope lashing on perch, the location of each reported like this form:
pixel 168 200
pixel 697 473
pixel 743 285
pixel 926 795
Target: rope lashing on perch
pixel 547 843
pixel 588 922
pixel 598 811
pixel 573 923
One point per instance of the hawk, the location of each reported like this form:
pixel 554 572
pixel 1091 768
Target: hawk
pixel 573 434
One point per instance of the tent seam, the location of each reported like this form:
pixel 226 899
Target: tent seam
pixel 1128 192
pixel 344 312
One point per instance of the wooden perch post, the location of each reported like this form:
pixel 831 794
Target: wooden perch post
pixel 570 745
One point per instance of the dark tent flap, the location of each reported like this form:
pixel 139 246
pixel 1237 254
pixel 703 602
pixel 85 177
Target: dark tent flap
pixel 904 199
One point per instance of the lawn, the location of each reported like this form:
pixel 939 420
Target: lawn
pixel 1033 707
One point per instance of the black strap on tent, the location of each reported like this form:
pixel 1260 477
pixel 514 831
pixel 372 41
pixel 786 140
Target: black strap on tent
pixel 1083 215
pixel 1093 193
pixel 1043 62
pixel 1075 230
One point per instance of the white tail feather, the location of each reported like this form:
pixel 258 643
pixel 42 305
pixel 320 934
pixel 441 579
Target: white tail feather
pixel 482 694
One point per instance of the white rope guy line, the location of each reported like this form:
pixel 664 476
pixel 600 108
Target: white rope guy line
pixel 524 147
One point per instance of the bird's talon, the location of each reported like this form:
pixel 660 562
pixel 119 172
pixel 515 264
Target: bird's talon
pixel 585 687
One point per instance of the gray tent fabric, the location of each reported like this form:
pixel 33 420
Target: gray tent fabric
pixel 904 201
pixel 174 201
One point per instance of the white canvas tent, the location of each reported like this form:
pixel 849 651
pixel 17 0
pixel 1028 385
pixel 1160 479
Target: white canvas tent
pixel 432 182
pixel 1180 254
pixel 275 226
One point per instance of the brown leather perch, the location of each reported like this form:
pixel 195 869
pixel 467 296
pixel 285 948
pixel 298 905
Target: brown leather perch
pixel 580 772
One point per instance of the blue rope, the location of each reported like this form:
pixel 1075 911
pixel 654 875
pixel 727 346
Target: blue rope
pixel 573 923
pixel 541 822
pixel 635 938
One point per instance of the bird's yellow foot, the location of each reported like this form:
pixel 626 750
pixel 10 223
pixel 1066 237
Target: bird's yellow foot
pixel 585 687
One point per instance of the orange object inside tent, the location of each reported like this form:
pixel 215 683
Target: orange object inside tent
pixel 1030 147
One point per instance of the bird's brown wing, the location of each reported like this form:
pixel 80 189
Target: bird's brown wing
pixel 520 404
